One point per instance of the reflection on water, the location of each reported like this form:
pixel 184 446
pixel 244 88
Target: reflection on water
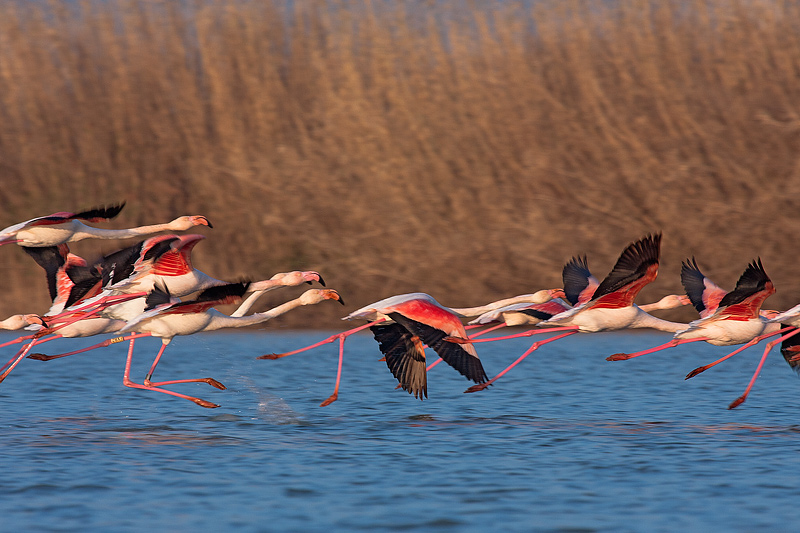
pixel 565 442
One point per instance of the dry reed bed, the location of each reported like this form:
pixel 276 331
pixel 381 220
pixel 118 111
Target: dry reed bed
pixel 467 154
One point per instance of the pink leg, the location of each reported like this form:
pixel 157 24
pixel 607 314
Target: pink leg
pixel 530 333
pixel 487 330
pixel 472 337
pixel 333 397
pixel 128 383
pixel 740 400
pixel 670 344
pixel 320 343
pixel 107 342
pixel 211 381
pixel 155 362
pixel 20 356
pixel 2 368
pixel 16 341
pixel 534 346
pixel 752 342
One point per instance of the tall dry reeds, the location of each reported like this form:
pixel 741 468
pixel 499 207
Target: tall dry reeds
pixel 399 147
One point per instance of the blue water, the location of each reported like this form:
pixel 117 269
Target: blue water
pixel 565 442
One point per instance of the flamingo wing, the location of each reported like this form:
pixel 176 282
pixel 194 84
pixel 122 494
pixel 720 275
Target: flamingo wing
pixel 579 284
pixel 177 261
pixel 636 267
pixel 159 302
pixel 405 356
pixel 51 259
pixel 96 214
pixel 704 294
pixel 461 356
pixel 84 282
pixel 744 301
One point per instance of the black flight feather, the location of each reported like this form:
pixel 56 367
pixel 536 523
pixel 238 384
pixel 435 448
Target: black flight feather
pixel 631 265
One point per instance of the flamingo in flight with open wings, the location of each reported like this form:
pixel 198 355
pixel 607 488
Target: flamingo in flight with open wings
pixel 169 318
pixel 403 325
pixel 726 318
pixel 63 227
pixel 606 306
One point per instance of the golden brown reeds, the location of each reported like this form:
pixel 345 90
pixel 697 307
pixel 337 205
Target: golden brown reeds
pixel 400 147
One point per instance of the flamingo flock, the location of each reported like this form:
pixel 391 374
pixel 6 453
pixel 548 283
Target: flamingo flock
pixel 151 289
pixel 135 292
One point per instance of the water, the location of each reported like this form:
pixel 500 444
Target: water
pixel 566 442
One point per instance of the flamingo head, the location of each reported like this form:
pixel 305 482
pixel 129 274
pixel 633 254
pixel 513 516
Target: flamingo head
pixel 314 296
pixel 34 319
pixel 297 277
pixel 189 221
pixel 673 301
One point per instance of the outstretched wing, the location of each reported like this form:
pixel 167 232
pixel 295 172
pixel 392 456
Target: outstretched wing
pixel 461 356
pixel 579 284
pixel 753 287
pixel 51 259
pixel 636 267
pixel 704 294
pixel 405 356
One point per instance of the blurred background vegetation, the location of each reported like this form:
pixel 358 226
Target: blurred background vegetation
pixel 463 149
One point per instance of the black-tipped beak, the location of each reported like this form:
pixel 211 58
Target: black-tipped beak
pixel 208 222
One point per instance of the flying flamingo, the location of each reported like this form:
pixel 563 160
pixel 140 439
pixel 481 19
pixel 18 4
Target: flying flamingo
pixel 736 319
pixel 97 325
pixel 610 306
pixel 63 227
pixel 402 325
pixel 170 319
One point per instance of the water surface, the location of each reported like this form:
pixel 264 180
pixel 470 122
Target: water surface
pixel 565 442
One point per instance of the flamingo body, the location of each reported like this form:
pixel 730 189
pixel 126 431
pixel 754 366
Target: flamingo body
pixel 64 227
pixel 417 319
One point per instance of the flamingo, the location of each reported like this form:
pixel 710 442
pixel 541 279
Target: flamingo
pixel 736 319
pixel 63 227
pixel 610 305
pixel 402 325
pixel 164 260
pixel 172 318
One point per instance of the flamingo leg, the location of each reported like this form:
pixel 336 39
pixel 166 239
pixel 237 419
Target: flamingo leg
pixel 534 346
pixel 320 343
pixel 16 341
pixel 19 357
pixel 155 362
pixel 126 380
pixel 28 337
pixel 211 381
pixel 105 343
pixel 487 330
pixel 740 400
pixel 670 344
pixel 752 342
pixel 529 333
pixel 333 397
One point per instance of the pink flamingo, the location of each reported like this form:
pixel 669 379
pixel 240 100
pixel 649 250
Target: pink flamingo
pixel 172 318
pixel 610 306
pixel 402 325
pixel 736 319
pixel 63 227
